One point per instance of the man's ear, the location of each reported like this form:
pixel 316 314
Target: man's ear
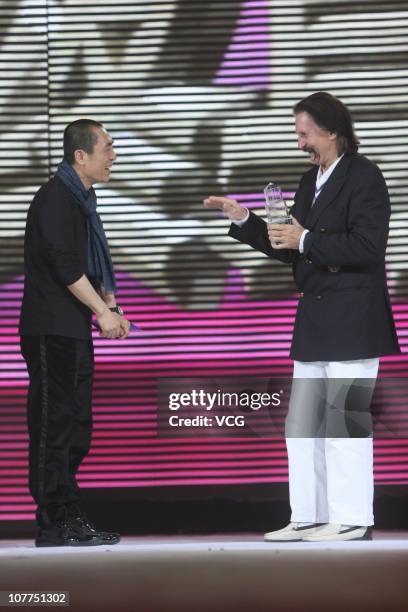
pixel 80 156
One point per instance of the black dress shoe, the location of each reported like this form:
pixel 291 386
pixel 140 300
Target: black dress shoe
pixel 88 529
pixel 65 533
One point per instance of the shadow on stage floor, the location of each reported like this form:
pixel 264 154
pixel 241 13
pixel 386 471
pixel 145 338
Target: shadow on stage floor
pixel 239 573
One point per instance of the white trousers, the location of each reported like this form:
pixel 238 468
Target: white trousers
pixel 331 479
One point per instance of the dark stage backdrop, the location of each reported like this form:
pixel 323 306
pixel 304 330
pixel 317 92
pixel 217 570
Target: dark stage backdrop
pixel 198 97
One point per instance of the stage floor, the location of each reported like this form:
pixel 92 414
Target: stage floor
pixel 237 572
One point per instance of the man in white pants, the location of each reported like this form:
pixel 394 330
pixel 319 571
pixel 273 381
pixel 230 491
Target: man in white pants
pixel 336 245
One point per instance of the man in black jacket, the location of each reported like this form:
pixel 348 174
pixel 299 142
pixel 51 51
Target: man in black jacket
pixel 336 245
pixel 68 277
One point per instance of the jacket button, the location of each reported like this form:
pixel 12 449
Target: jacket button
pixel 322 229
pixel 308 261
pixel 319 297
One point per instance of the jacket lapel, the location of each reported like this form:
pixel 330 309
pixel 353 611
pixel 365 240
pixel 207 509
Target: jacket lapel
pixel 304 196
pixel 329 191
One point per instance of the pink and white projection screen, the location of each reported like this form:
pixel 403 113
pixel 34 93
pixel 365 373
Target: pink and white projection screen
pixel 198 97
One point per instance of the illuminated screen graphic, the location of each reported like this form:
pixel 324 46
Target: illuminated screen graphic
pixel 198 97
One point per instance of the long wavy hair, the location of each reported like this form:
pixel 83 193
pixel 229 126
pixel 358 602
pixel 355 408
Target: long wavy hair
pixel 331 114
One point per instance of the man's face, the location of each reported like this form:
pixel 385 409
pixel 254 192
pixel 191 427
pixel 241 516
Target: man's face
pixel 319 143
pixel 96 166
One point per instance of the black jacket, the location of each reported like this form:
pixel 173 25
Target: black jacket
pixel 344 310
pixel 55 255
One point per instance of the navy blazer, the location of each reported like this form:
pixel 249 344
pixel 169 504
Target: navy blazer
pixel 344 310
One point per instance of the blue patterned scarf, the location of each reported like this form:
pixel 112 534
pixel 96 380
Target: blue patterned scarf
pixel 100 267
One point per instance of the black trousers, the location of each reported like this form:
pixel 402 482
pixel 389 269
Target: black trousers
pixel 59 420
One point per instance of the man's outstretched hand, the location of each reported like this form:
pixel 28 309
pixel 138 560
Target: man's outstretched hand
pixel 282 236
pixel 233 210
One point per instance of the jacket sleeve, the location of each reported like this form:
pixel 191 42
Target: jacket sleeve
pixel 57 230
pixel 255 233
pixel 364 240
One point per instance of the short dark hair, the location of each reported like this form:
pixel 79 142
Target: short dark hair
pixel 331 114
pixel 80 134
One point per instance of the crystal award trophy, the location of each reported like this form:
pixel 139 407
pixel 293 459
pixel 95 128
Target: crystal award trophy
pixel 275 206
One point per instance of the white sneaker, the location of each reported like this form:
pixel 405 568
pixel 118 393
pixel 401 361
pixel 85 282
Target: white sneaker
pixel 339 533
pixel 294 532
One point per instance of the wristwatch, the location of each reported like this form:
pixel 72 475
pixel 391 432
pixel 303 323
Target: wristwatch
pixel 117 309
